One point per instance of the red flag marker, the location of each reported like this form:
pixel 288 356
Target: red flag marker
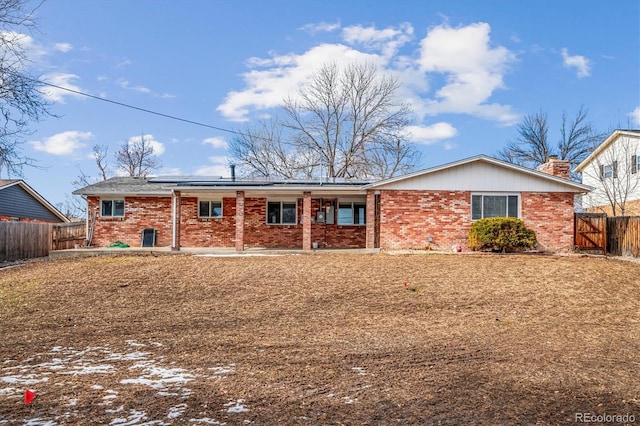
pixel 29 395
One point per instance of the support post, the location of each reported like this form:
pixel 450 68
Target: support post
pixel 306 221
pixel 371 220
pixel 176 210
pixel 239 221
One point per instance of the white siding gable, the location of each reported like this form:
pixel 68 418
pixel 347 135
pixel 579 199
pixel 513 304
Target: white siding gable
pixel 479 176
pixel 625 185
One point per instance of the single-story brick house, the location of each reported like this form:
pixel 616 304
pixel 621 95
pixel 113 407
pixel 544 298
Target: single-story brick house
pixel 432 208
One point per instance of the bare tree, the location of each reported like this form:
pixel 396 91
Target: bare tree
pixel 261 151
pixel 137 158
pixel 345 123
pixel 21 101
pixel 532 146
pixel 615 175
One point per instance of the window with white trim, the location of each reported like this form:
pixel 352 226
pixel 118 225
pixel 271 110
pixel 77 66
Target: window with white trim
pixel 209 208
pixel 353 213
pixel 112 208
pixel 494 205
pixel 282 212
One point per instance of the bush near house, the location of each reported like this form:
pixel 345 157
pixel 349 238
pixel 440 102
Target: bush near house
pixel 501 234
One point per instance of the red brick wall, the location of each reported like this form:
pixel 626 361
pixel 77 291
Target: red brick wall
pixel 140 213
pixel 409 218
pixel 155 212
pixel 23 219
pixel 550 215
pixel 207 232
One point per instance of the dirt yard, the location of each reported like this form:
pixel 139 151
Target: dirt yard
pixel 319 339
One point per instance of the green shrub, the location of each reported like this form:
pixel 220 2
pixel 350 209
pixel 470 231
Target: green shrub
pixel 501 234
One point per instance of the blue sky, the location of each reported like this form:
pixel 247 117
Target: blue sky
pixel 470 70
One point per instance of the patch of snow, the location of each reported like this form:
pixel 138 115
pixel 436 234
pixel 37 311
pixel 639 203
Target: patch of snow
pixel 133 418
pixel 218 372
pixel 360 370
pixel 38 422
pixel 115 410
pixel 135 344
pixel 207 420
pixel 349 400
pixel 4 391
pixel 177 411
pixel 131 356
pixel 97 387
pixel 90 369
pixel 29 379
pixel 236 407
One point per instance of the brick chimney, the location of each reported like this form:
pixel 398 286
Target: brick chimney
pixel 555 167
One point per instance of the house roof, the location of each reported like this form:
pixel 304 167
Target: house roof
pixel 7 183
pixel 604 145
pixel 529 174
pixel 165 185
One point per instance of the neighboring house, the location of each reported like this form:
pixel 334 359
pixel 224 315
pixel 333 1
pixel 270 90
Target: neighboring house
pixel 21 203
pixel 613 170
pixel 432 208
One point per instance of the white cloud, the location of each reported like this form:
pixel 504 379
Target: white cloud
pixel 218 167
pixel 158 147
pixel 125 62
pixel 216 142
pixel 266 88
pixel 64 143
pixel 63 47
pixel 125 85
pixel 324 27
pixel 432 134
pixel 473 69
pixel 635 116
pixel 580 63
pixel 387 40
pixel 56 94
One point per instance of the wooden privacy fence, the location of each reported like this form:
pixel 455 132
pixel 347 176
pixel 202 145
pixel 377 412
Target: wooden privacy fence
pixel 25 240
pixel 590 232
pixel 623 235
pixel 68 235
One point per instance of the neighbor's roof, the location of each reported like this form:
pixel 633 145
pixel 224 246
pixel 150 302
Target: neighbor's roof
pixel 6 183
pixel 608 141
pixel 484 159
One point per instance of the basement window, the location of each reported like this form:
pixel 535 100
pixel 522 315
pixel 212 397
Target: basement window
pixel 282 212
pixel 209 208
pixel 490 205
pixel 351 213
pixel 112 208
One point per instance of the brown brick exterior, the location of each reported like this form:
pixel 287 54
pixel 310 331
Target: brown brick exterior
pixel 23 219
pixel 550 215
pixel 155 212
pixel 409 218
pixel 555 167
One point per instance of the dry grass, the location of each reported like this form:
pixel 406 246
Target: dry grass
pixel 331 339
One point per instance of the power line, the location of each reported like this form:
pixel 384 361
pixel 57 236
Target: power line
pixel 172 117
